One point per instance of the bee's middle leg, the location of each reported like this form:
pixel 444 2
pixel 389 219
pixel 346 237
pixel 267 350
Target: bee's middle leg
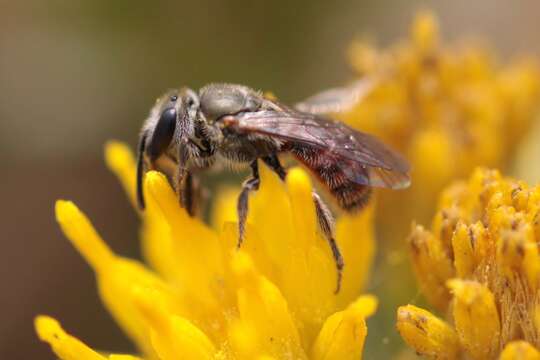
pixel 324 218
pixel 251 184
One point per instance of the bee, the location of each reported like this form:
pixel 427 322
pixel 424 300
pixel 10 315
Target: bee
pixel 188 132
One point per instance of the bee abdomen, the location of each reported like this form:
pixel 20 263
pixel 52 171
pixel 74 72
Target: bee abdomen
pixel 350 195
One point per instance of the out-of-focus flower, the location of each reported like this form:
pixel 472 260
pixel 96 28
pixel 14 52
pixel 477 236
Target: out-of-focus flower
pixel 528 155
pixel 479 264
pixel 447 108
pixel 203 299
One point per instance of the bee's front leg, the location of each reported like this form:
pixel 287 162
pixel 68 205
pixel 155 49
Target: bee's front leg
pixel 186 191
pixel 251 184
pixel 184 182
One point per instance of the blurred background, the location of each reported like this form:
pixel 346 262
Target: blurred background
pixel 76 74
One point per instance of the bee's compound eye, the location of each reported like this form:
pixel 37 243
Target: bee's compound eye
pixel 168 115
pixel 163 133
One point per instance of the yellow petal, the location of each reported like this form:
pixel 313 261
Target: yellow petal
pixel 519 350
pixel 266 357
pixel 157 241
pixel 156 238
pixel 303 210
pixel 519 84
pixel 363 57
pixel 83 236
pixel 355 235
pixel 167 202
pixel 195 249
pixel 481 243
pixel 427 334
pixel 432 154
pixel 119 159
pixel 517 251
pixel 272 228
pixel 432 266
pixel 173 337
pixel 476 318
pixel 115 288
pixel 229 240
pixel 425 31
pixel 263 310
pixel 272 223
pixel 444 226
pixel 116 276
pixel 65 346
pixel 463 245
pixel 343 333
pixel 244 340
pixel 312 263
pixel 289 236
pixel 224 207
pixel 157 244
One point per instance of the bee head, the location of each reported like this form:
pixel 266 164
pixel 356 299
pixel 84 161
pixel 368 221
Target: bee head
pixel 172 121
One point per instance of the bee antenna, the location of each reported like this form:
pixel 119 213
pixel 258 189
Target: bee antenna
pixel 140 170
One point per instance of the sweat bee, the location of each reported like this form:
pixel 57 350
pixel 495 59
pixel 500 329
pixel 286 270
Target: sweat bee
pixel 189 131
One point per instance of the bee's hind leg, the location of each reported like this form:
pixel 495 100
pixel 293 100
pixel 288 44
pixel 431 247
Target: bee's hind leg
pixel 324 218
pixel 326 223
pixel 251 184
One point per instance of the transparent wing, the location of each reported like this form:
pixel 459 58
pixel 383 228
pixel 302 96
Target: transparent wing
pixel 364 159
pixel 336 99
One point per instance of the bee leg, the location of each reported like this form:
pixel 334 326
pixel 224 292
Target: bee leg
pixel 198 197
pixel 248 186
pixel 183 182
pixel 326 223
pixel 324 217
pixel 192 197
pixel 273 162
pixel 187 193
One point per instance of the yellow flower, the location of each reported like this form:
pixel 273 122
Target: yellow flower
pixel 447 108
pixel 68 347
pixel 200 298
pixel 480 265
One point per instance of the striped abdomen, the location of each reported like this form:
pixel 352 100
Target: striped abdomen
pixel 337 174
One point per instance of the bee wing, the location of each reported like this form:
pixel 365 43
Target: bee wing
pixel 336 99
pixel 361 157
